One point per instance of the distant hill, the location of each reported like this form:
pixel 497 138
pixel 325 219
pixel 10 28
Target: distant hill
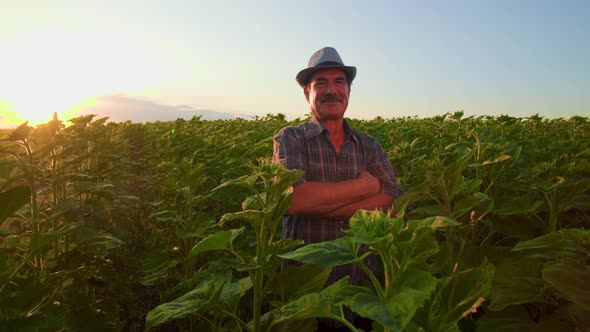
pixel 121 108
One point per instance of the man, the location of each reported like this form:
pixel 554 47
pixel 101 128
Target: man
pixel 344 170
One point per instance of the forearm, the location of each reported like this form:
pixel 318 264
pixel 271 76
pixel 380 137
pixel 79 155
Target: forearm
pixel 319 198
pixel 381 202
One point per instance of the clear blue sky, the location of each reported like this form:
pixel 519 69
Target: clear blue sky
pixel 419 58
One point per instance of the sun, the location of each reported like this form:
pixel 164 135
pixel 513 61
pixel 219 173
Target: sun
pixel 38 106
pixel 39 79
pixel 40 110
pixel 61 70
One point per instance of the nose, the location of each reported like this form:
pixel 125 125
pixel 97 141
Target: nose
pixel 329 87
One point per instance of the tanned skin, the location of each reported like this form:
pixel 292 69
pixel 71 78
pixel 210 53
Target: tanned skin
pixel 327 93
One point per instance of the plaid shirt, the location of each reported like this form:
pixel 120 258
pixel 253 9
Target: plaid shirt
pixel 308 148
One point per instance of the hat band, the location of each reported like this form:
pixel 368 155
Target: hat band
pixel 329 63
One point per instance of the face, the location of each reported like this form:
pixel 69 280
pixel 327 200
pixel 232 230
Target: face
pixel 327 93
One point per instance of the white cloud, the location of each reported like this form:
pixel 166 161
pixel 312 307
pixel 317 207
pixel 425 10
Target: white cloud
pixel 122 107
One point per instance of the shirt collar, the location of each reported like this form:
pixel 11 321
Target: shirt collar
pixel 316 128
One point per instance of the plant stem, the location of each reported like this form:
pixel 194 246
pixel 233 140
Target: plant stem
pixel 374 280
pixel 389 274
pixel 237 320
pixel 553 212
pixel 257 302
pixel 343 321
pixel 258 277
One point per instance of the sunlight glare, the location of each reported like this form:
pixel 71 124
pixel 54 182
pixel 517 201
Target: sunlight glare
pixel 61 70
pixel 41 110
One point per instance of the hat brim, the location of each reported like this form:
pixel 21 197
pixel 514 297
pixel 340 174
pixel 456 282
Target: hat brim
pixel 304 75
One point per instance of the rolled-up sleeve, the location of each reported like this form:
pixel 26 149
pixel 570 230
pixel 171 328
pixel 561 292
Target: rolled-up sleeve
pixel 380 167
pixel 288 150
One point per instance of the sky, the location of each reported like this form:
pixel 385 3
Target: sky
pixel 158 60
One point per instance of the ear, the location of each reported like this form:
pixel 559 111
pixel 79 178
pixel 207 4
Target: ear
pixel 306 92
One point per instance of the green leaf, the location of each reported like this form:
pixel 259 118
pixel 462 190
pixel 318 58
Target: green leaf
pixel 302 325
pixel 498 159
pixel 13 199
pixel 571 280
pixel 517 318
pixel 310 278
pixel 470 186
pixel 232 292
pixel 253 217
pixel 506 206
pixel 479 202
pixel 373 227
pixel 429 210
pixel 253 203
pixel 245 181
pixel 198 229
pixel 280 247
pixel 581 202
pixel 572 243
pixel 309 305
pixel 366 303
pixel 218 241
pixel 518 226
pixel 516 281
pixel 166 216
pixel 30 298
pixel 284 178
pixel 88 186
pixel 284 202
pixel 155 267
pixel 474 254
pixel 216 291
pixel 100 243
pixel 40 242
pixel 434 222
pixel 415 246
pixel 21 132
pixel 270 262
pixel 457 296
pixel 64 207
pixel 512 319
pixel 412 288
pixel 408 198
pixel 327 254
pixel 185 305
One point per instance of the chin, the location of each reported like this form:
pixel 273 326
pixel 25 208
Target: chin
pixel 331 116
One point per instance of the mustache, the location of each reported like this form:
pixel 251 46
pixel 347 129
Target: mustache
pixel 330 97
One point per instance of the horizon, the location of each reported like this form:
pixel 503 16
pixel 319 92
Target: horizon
pixel 209 115
pixel 160 61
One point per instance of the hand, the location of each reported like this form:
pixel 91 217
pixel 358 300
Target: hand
pixel 371 182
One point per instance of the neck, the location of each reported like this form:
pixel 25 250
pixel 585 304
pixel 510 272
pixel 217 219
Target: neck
pixel 336 129
pixel 335 126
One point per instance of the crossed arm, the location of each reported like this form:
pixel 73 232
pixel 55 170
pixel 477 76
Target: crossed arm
pixel 333 199
pixel 339 199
